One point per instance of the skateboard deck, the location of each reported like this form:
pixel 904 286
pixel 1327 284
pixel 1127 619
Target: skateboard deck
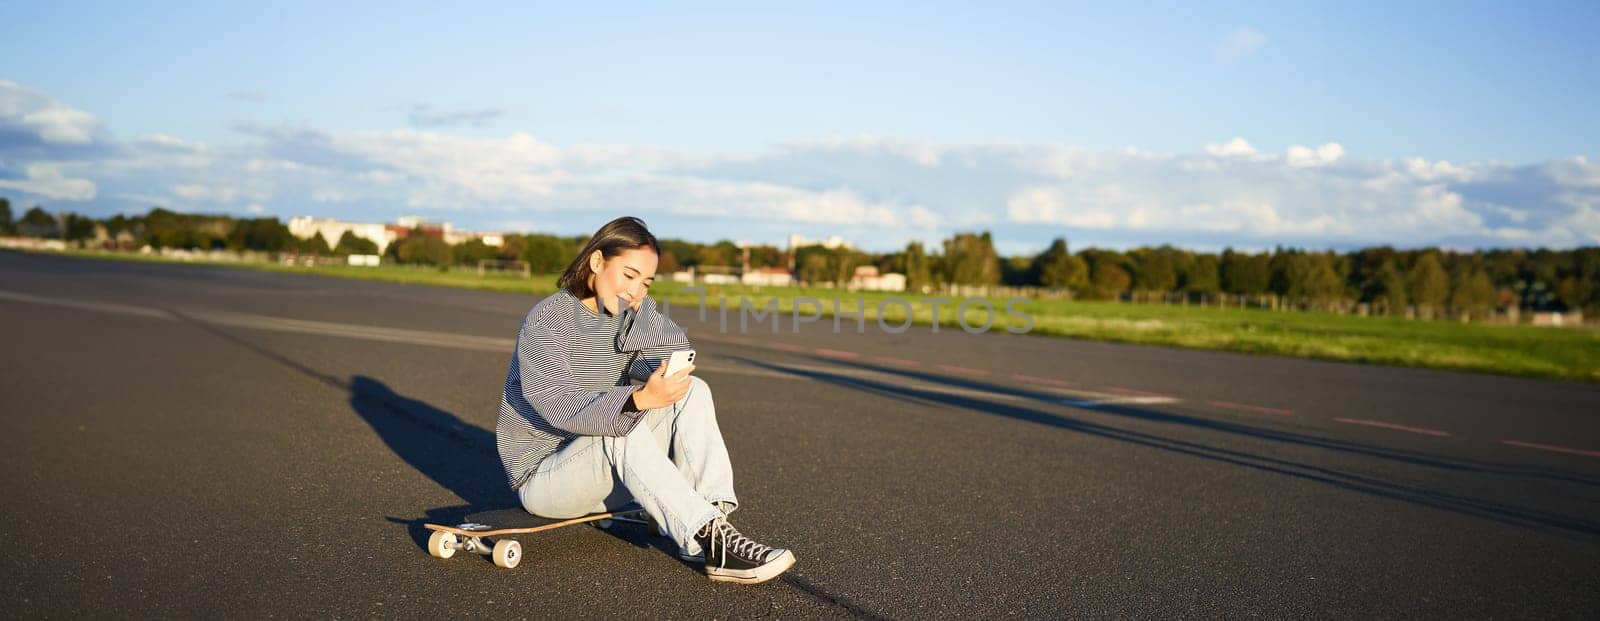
pixel 471 535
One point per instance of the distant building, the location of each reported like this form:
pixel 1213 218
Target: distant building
pixel 867 278
pixel 448 232
pixel 1556 319
pixel 767 277
pixel 384 234
pixel 305 227
pixel 125 240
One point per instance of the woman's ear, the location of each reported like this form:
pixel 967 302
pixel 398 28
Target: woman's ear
pixel 596 261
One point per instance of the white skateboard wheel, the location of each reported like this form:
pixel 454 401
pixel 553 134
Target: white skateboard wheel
pixel 507 553
pixel 442 544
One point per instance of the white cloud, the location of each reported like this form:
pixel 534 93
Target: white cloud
pixel 466 169
pixel 1438 206
pixel 206 194
pixel 47 180
pixel 1440 170
pixel 189 191
pixel 1574 171
pixel 768 201
pixel 1306 157
pixel 629 157
pixel 1242 42
pixel 1316 196
pixel 1046 205
pixel 170 143
pixel 62 125
pixel 1586 222
pixel 1235 147
pixel 31 113
pixel 922 152
pixel 262 166
pixel 1054 161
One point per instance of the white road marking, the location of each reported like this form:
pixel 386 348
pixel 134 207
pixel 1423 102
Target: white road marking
pixel 346 330
pixel 1077 398
pixel 103 307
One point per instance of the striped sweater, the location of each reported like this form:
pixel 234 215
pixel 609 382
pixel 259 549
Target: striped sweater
pixel 571 376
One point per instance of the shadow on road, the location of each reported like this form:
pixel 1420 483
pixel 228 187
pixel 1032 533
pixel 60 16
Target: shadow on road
pixel 458 455
pixel 1398 455
pixel 455 454
pixel 1466 505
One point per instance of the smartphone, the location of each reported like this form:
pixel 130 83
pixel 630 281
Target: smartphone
pixel 679 360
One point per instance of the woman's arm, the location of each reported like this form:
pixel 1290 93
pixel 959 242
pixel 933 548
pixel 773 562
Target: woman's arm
pixel 651 358
pixel 544 362
pixel 664 335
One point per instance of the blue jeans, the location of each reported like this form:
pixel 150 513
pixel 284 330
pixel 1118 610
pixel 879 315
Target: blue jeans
pixel 673 463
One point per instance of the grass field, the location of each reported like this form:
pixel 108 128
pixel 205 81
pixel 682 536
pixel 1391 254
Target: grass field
pixel 1571 354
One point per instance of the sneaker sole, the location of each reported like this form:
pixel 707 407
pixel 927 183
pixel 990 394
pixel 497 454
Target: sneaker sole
pixel 765 572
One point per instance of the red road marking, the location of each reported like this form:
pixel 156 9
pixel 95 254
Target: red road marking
pixel 785 347
pixel 1138 393
pixel 1039 380
pixel 1251 408
pixel 897 361
pixel 836 353
pixel 1556 449
pixel 1384 425
pixel 964 370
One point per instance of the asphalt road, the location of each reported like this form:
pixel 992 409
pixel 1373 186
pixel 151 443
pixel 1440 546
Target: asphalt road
pixel 189 441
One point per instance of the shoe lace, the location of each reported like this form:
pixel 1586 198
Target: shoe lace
pixel 730 538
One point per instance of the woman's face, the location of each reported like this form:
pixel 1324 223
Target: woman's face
pixel 627 275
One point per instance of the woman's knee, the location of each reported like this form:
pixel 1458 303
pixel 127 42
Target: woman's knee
pixel 569 483
pixel 561 505
pixel 698 388
pixel 699 399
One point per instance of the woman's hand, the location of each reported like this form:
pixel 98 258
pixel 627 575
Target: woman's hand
pixel 661 389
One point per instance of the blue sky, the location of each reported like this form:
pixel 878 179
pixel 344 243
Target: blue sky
pixel 1330 125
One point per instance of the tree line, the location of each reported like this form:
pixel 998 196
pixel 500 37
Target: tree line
pixel 1427 281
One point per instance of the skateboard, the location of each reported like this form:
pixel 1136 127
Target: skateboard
pixel 474 534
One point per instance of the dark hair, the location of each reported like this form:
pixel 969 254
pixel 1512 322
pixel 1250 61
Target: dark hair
pixel 625 233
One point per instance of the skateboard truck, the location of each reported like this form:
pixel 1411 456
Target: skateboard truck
pixel 506 553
